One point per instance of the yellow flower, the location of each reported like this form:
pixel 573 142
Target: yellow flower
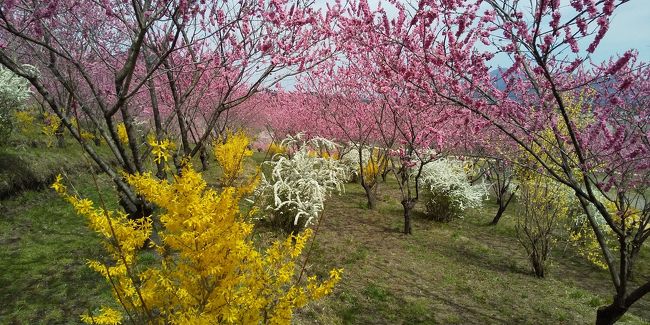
pixel 122 134
pixel 160 149
pixel 25 119
pixel 275 149
pixel 87 135
pixel 107 316
pixel 208 266
pixel 230 155
pixel 58 185
pixel 52 124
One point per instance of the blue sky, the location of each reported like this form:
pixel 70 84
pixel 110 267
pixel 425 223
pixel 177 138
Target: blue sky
pixel 630 28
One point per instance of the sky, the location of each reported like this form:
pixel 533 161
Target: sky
pixel 629 29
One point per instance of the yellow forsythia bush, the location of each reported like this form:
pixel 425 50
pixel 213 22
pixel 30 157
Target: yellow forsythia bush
pixel 207 269
pixel 160 149
pixel 51 125
pixel 25 119
pixel 231 154
pixel 543 205
pixel 374 166
pixel 276 149
pixel 122 134
pixel 371 170
pixel 583 238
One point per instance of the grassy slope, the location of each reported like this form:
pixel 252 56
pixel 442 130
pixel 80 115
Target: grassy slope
pixel 28 163
pixel 44 277
pixel 459 273
pixel 30 168
pixel 43 272
pixel 462 272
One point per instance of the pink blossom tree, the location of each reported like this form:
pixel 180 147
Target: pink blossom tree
pixel 351 112
pixel 421 127
pixel 563 112
pixel 598 143
pixel 112 62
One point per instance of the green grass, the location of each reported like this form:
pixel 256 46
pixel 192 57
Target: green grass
pixel 45 246
pixel 463 272
pixel 28 162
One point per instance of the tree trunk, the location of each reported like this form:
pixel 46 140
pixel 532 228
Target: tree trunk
pixel 160 170
pixel 60 139
pixel 607 315
pixel 149 63
pixel 178 164
pixel 135 210
pixel 384 174
pixel 538 264
pixel 408 205
pixel 372 200
pixel 204 159
pixel 503 205
pixel 499 214
pixel 96 137
pixel 354 178
pixel 370 195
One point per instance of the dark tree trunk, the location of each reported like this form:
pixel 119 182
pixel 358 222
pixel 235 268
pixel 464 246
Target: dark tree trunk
pixel 499 214
pixel 128 121
pixel 97 138
pixel 204 158
pixel 160 166
pixel 384 174
pixel 503 205
pixel 370 194
pixel 60 139
pixel 160 170
pixel 622 302
pixel 607 315
pixel 538 265
pixel 372 200
pixel 178 164
pixel 408 206
pixel 135 210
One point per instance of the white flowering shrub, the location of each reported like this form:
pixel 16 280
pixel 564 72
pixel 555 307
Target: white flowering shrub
pixel 351 161
pixel 580 233
pixel 14 91
pixel 318 145
pixel 448 191
pixel 298 185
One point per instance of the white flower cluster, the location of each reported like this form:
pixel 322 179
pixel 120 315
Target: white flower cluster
pixel 14 90
pixel 351 160
pixel 298 142
pixel 579 216
pixel 448 176
pixel 301 183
